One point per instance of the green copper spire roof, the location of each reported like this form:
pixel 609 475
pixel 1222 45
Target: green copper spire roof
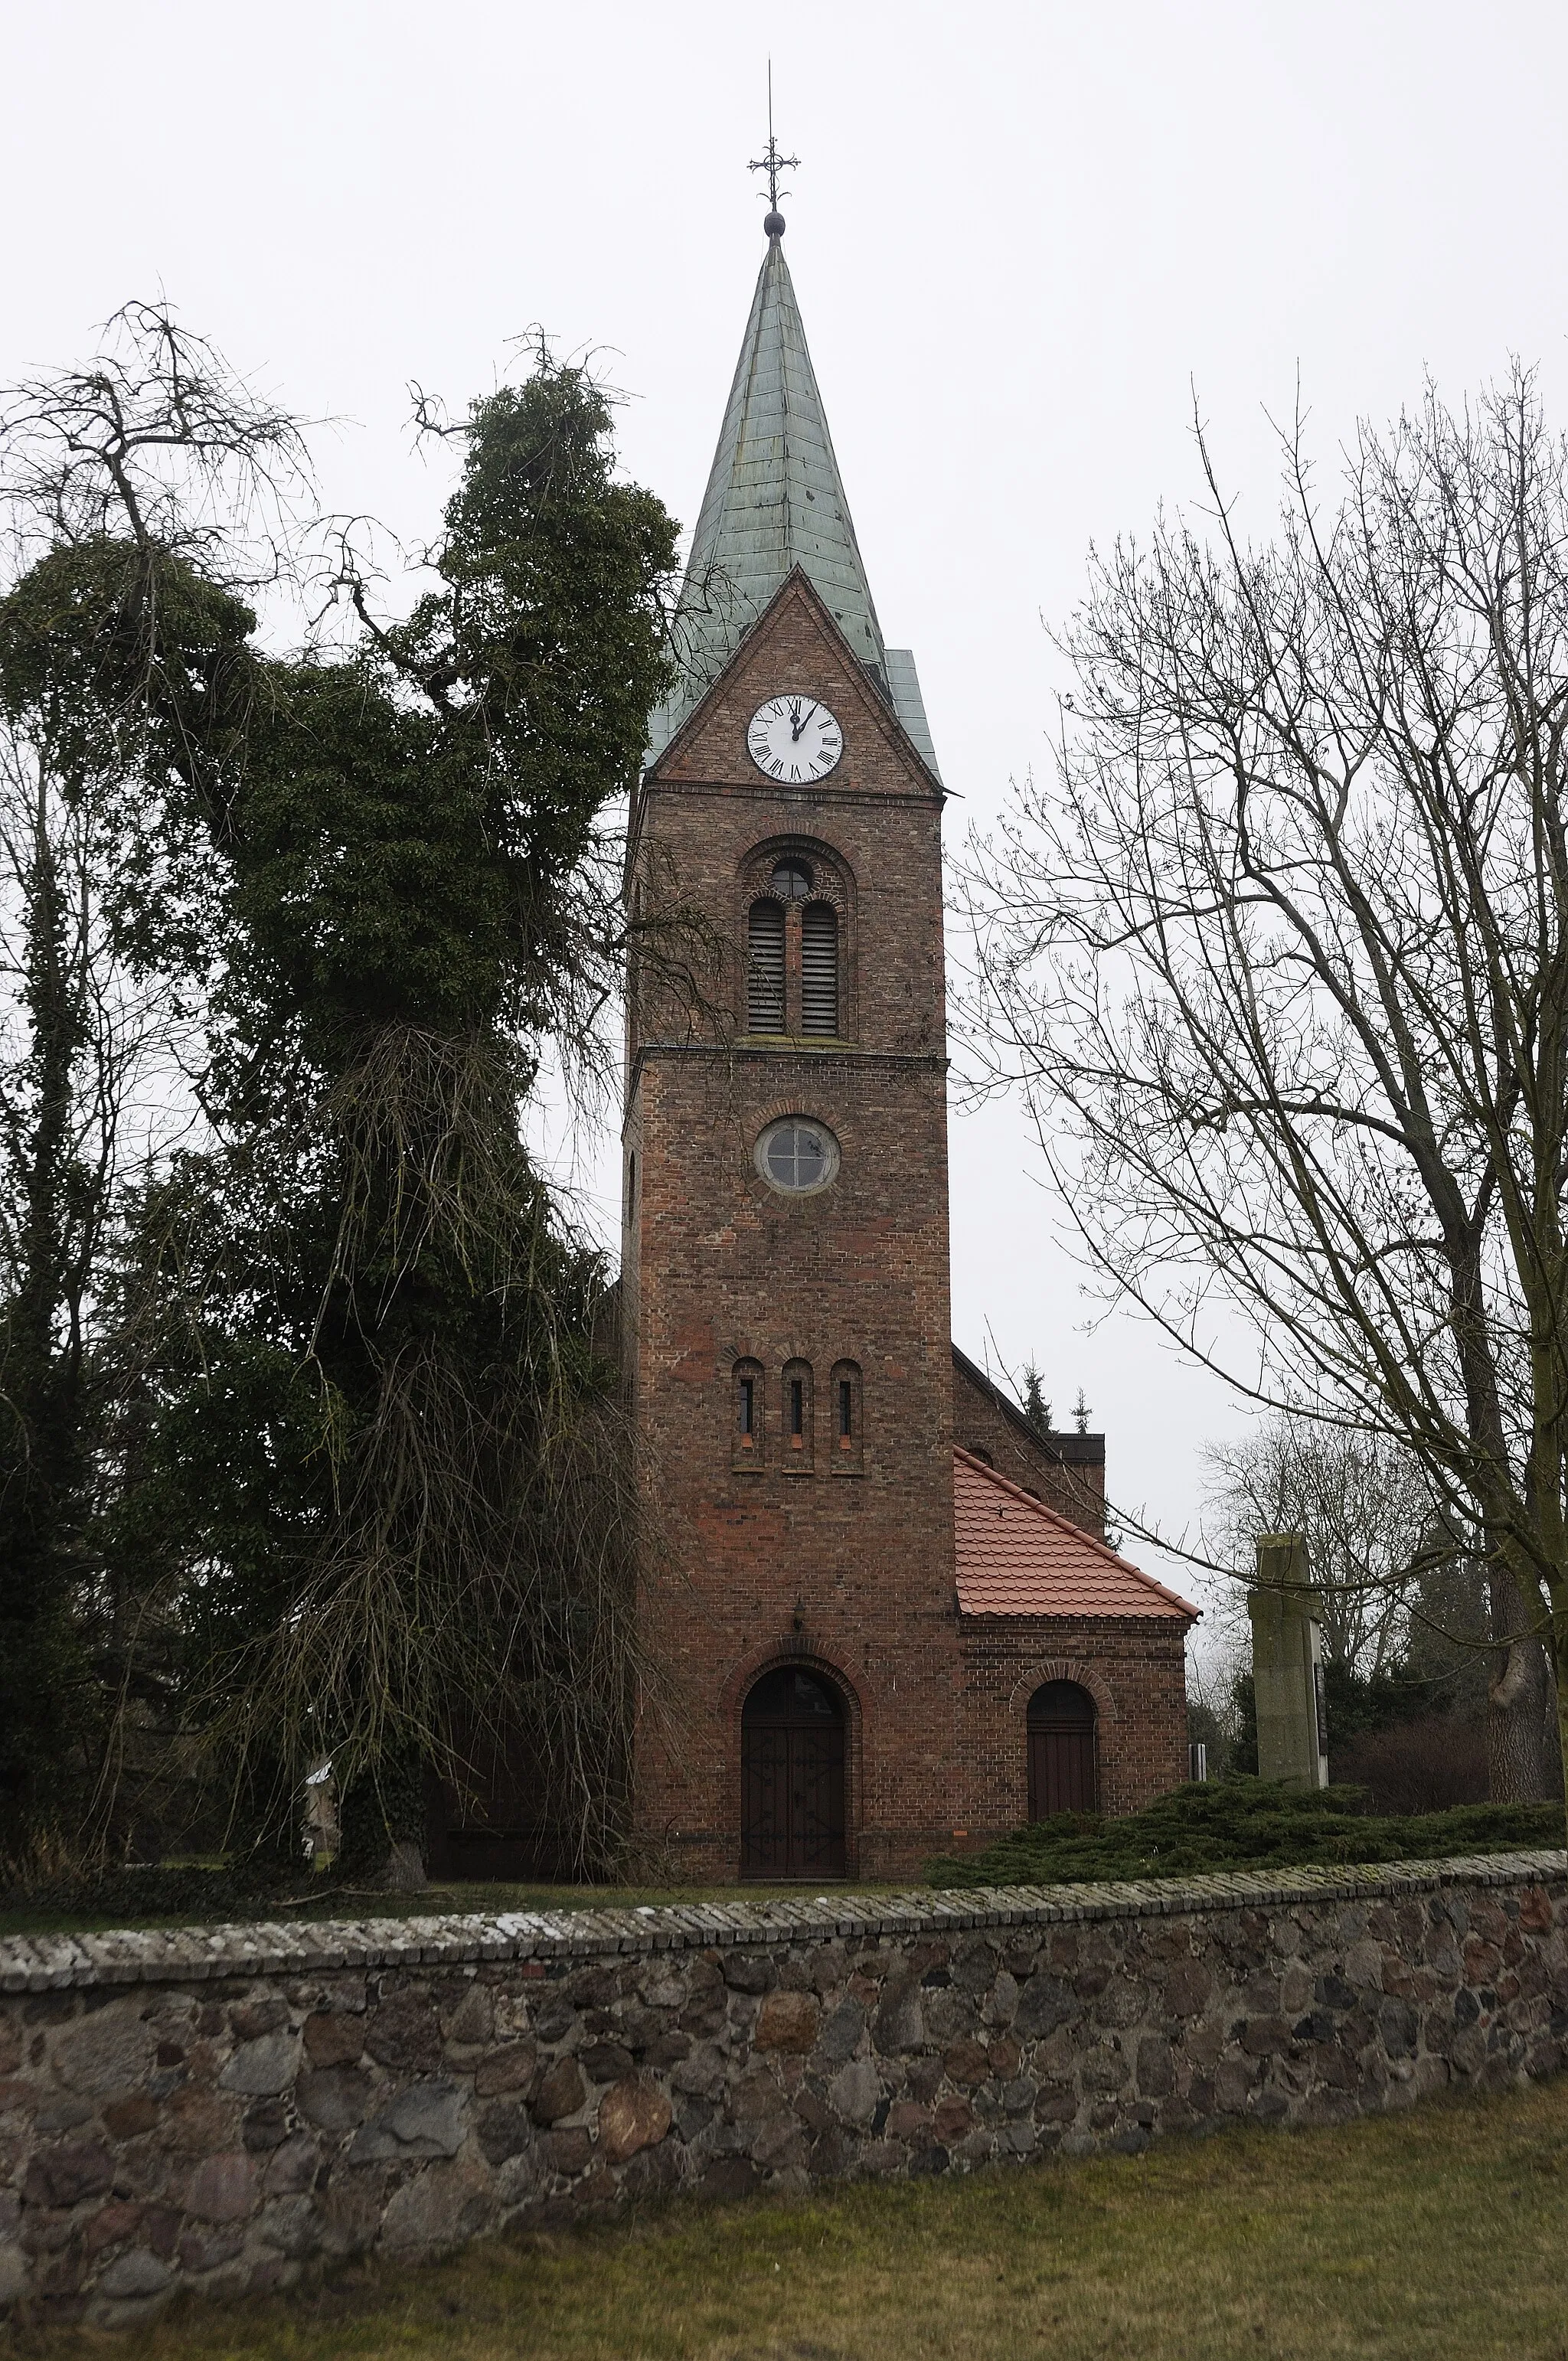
pixel 773 501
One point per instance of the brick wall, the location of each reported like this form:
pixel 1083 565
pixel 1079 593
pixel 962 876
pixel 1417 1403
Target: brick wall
pixel 1137 1673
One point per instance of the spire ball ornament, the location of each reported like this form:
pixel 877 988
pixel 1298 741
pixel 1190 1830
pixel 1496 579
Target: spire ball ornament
pixel 773 224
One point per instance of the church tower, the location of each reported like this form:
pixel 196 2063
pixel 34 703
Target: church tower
pixel 884 1623
pixel 785 1284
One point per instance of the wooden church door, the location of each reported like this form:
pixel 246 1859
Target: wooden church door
pixel 1061 1750
pixel 792 1778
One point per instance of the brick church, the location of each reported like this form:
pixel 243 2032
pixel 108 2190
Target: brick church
pixel 887 1623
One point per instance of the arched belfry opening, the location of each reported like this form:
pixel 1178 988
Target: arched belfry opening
pixel 1062 1775
pixel 795 904
pixel 793 1733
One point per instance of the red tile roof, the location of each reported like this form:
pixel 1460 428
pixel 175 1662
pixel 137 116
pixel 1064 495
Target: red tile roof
pixel 1015 1556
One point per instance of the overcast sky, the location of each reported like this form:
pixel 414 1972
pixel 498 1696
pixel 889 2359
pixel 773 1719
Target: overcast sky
pixel 1021 235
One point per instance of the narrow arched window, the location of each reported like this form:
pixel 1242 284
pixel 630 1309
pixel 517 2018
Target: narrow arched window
pixel 746 1415
pixel 845 1409
pixel 799 1423
pixel 819 967
pixel 766 972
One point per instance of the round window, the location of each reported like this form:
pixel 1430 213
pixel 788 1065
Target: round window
pixel 797 1156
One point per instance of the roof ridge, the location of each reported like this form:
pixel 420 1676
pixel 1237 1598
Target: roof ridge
pixel 1053 1517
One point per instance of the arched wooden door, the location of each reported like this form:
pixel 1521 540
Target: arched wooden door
pixel 1061 1750
pixel 792 1778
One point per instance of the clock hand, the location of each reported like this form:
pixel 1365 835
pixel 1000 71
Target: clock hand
pixel 796 721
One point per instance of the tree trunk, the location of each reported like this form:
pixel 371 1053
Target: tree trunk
pixel 43 1693
pixel 404 1872
pixel 1557 1731
pixel 1519 1765
pixel 381 1819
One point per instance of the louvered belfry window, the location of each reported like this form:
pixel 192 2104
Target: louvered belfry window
pixel 820 969
pixel 765 974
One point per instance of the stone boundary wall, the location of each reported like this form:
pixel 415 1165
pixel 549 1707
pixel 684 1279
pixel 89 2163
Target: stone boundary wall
pixel 222 2107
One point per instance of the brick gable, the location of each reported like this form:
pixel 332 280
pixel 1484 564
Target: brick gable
pixel 795 643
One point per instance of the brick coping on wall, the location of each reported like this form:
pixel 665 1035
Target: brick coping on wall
pixel 185 1954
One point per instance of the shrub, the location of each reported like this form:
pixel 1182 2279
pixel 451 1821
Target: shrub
pixel 1242 1823
pixel 1429 1765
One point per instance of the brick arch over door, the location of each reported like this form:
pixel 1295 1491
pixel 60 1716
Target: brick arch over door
pixel 1064 1668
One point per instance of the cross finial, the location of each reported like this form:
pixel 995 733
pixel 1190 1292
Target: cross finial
pixel 772 164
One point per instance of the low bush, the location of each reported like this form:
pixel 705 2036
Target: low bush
pixel 1242 1823
pixel 187 1890
pixel 1430 1765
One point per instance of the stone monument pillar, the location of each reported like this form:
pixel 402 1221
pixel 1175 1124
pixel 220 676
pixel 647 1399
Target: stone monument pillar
pixel 1288 1664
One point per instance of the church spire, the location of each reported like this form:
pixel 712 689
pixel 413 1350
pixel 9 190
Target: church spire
pixel 774 501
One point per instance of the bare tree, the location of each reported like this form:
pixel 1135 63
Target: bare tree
pixel 1365 1507
pixel 156 439
pixel 1283 968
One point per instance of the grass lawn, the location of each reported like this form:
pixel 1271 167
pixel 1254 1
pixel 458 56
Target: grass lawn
pixel 488 1900
pixel 1440 2232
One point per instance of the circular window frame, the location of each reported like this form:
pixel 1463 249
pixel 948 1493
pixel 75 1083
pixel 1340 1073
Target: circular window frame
pixel 796 1122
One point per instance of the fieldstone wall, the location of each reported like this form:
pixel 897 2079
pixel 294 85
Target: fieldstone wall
pixel 223 2108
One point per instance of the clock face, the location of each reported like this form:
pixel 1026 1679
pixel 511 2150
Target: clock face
pixel 794 738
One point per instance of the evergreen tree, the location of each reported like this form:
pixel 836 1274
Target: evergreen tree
pixel 392 1446
pixel 97 878
pixel 355 1461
